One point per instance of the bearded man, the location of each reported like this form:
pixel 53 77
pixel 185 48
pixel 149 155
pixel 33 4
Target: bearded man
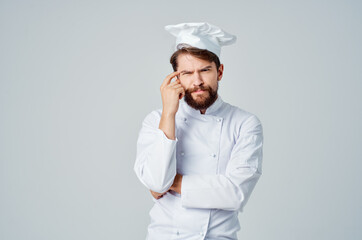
pixel 199 156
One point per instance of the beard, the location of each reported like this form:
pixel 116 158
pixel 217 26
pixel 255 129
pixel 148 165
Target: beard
pixel 201 101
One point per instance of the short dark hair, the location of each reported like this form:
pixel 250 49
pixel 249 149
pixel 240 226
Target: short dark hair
pixel 196 52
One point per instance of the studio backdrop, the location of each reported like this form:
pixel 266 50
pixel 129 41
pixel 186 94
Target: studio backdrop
pixel 77 79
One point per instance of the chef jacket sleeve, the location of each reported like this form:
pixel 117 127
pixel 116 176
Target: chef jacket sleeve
pixel 232 190
pixel 155 164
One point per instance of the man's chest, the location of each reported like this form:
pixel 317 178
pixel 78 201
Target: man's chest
pixel 204 145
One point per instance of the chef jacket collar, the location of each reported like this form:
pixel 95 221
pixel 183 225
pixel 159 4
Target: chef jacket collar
pixel 212 110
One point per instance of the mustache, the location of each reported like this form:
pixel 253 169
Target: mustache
pixel 198 88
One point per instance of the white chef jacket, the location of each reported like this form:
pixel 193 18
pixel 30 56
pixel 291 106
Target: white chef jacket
pixel 219 154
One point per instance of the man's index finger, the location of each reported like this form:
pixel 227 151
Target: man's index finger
pixel 169 78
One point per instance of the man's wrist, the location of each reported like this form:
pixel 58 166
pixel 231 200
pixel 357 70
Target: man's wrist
pixel 168 115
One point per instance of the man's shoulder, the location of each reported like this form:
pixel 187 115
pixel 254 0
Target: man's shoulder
pixel 240 114
pixel 153 116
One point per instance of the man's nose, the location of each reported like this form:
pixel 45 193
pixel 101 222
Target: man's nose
pixel 197 81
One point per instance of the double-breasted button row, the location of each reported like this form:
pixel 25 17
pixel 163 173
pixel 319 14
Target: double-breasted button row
pixel 212 154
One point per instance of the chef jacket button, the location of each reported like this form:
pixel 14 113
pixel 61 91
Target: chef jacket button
pixel 213 155
pixel 185 119
pixel 182 153
pixel 202 234
pixel 178 233
pixel 219 119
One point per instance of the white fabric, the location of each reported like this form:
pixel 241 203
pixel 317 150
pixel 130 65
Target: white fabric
pixel 219 154
pixel 201 35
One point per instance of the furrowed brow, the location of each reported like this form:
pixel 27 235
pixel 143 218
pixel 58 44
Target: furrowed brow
pixel 185 71
pixel 207 67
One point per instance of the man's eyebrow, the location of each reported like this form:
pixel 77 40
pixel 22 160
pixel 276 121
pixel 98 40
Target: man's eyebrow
pixel 207 67
pixel 187 71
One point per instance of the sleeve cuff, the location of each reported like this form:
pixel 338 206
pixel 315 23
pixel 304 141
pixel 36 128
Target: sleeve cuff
pixel 165 137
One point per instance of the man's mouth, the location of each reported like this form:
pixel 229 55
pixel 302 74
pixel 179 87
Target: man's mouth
pixel 199 91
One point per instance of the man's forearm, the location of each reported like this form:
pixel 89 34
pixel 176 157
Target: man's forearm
pixel 176 186
pixel 167 125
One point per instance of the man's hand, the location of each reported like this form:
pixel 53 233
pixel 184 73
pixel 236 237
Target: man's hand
pixel 157 195
pixel 176 186
pixel 171 94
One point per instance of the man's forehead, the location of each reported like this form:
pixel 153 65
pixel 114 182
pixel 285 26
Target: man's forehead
pixel 186 62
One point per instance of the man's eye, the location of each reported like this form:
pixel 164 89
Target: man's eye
pixel 185 73
pixel 204 70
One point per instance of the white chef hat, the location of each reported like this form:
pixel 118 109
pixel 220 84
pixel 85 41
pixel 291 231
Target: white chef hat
pixel 201 35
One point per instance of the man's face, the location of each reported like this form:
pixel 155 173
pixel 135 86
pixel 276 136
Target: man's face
pixel 200 78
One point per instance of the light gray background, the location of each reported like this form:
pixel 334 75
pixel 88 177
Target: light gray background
pixel 78 77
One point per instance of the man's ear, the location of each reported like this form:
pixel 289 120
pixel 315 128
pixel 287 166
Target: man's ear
pixel 220 72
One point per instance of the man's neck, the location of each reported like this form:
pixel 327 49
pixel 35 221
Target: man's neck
pixel 202 111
